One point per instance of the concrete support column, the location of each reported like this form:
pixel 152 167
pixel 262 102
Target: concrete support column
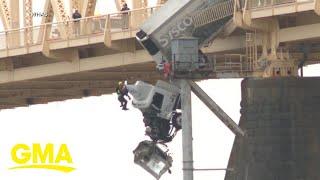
pixel 281 118
pixel 186 130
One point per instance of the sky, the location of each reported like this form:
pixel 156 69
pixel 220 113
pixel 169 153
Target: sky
pixel 101 137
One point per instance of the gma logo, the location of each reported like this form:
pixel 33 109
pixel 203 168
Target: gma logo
pixel 34 157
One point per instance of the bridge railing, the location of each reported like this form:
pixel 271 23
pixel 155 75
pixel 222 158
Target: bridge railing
pixel 89 26
pixel 255 4
pixel 22 37
pixel 227 63
pixel 82 28
pixel 129 19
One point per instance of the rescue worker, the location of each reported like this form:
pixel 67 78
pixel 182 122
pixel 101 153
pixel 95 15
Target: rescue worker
pixel 76 16
pixel 125 16
pixel 167 69
pixel 124 8
pixel 122 91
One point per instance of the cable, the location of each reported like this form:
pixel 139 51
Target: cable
pixel 210 169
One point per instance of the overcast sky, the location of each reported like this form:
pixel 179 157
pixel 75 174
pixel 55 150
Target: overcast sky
pixel 101 137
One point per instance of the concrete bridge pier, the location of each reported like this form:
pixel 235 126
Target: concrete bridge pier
pixel 281 117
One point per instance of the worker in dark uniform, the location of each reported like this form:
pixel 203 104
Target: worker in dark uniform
pixel 76 16
pixel 124 8
pixel 122 91
pixel 125 16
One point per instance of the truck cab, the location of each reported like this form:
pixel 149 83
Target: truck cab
pixel 161 99
pixel 200 19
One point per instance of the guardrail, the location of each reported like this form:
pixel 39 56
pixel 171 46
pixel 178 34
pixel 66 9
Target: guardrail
pixel 227 63
pixel 74 29
pixel 255 4
pixel 231 63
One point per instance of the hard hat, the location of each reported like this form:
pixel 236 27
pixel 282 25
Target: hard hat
pixel 148 130
pixel 120 83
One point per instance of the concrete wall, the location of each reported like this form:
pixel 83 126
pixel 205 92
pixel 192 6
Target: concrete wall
pixel 282 120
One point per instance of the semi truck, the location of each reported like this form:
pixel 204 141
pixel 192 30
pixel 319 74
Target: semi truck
pixel 200 19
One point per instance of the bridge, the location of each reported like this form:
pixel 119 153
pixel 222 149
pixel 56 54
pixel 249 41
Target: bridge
pixel 51 62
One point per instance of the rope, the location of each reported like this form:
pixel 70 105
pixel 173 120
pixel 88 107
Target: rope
pixel 210 169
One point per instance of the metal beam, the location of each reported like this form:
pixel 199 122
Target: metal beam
pixel 59 10
pixel 216 109
pixel 298 33
pixel 12 102
pixel 14 36
pixel 229 28
pixel 68 54
pixel 118 4
pixel 139 16
pixel 40 85
pixel 14 12
pixel 160 2
pixel 75 4
pixel 6 64
pixel 187 147
pixel 61 16
pixel 11 106
pixel 5 14
pixel 25 93
pixel 112 75
pixel 86 64
pixel 45 100
pixel 47 95
pixel 49 10
pixel 10 19
pixel 137 4
pixel 89 7
pixel 28 21
pixel 225 44
pixel 46 19
pixel 125 45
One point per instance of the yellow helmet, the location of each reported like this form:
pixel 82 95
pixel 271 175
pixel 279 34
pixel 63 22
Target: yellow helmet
pixel 120 83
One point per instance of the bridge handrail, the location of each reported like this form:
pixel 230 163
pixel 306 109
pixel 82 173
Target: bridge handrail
pixel 257 4
pixel 33 35
pixel 89 17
